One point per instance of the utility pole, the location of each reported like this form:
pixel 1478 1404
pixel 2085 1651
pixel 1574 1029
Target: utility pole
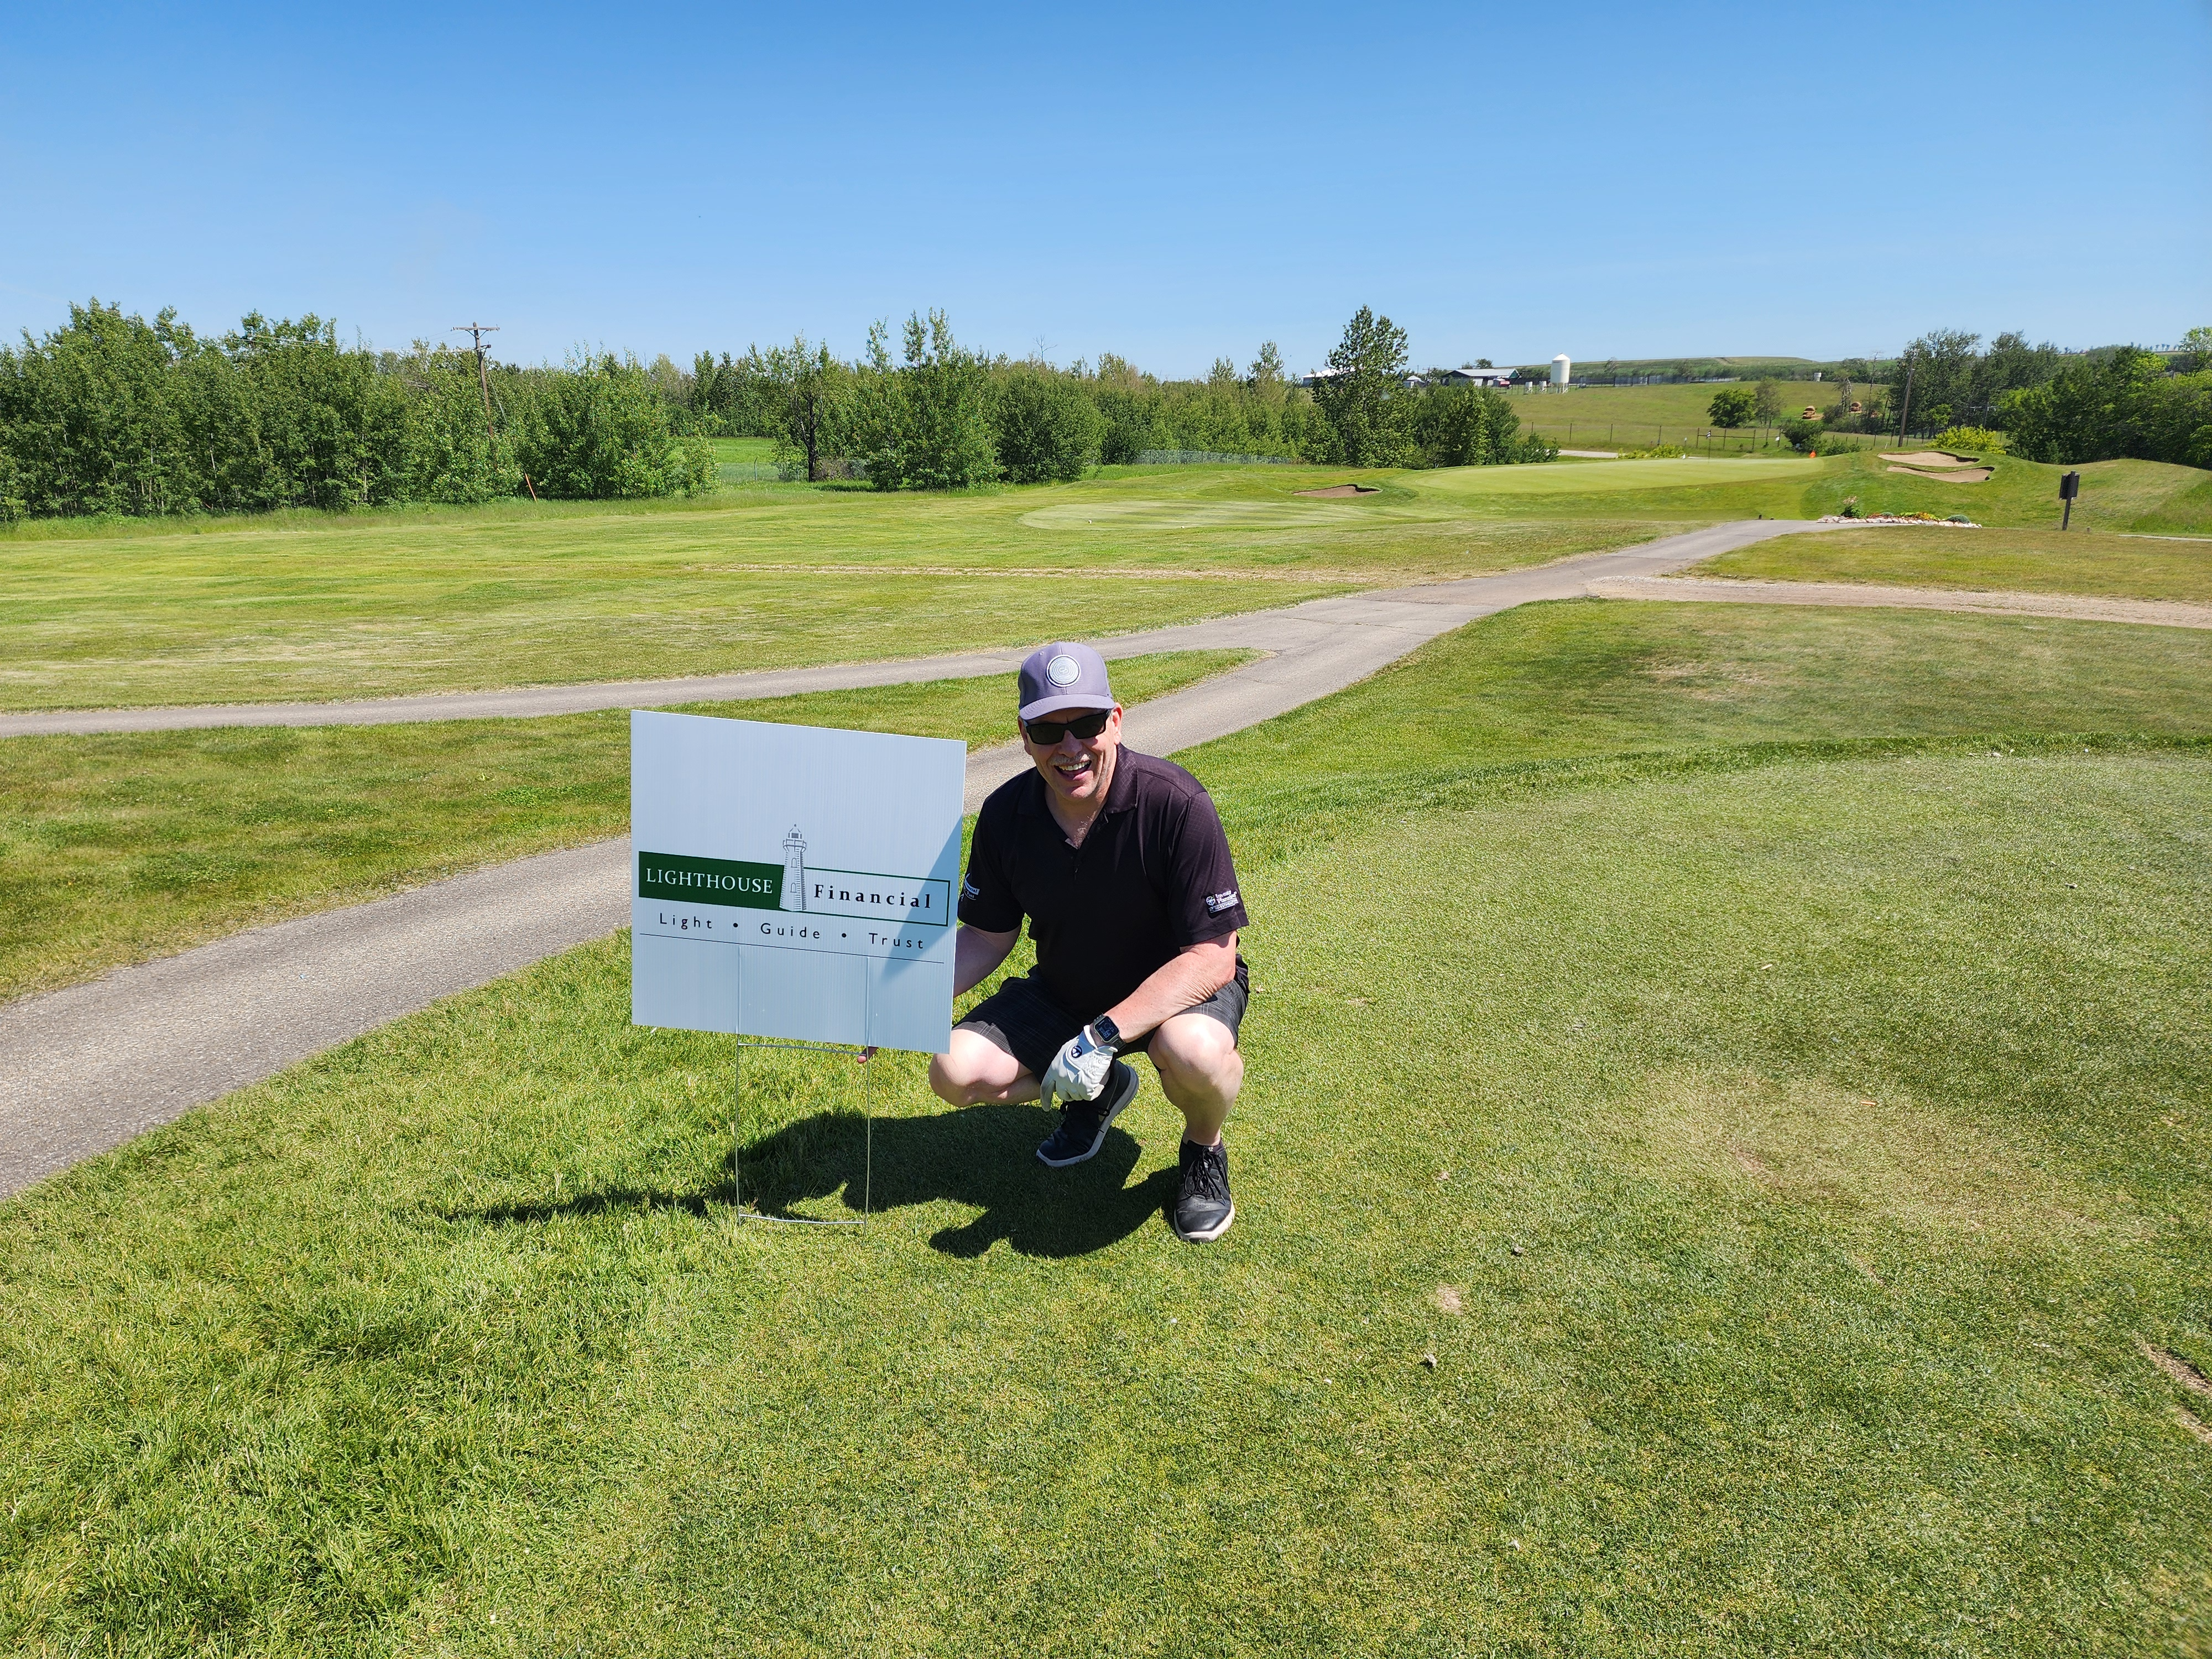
pixel 476 332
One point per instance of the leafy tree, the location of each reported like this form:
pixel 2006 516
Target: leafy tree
pixel 2122 404
pixel 1767 403
pixel 600 431
pixel 805 393
pixel 926 423
pixel 1268 382
pixel 1045 426
pixel 1475 426
pixel 1129 405
pixel 1732 406
pixel 1362 398
pixel 1802 435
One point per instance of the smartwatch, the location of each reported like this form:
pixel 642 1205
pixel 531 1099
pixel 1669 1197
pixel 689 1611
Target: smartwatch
pixel 1104 1034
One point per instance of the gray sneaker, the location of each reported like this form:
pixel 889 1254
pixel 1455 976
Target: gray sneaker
pixel 1084 1123
pixel 1203 1207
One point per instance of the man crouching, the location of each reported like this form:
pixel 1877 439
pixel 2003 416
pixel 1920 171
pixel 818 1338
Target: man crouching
pixel 1119 862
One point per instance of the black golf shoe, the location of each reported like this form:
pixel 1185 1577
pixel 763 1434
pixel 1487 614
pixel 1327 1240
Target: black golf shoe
pixel 1203 1208
pixel 1084 1123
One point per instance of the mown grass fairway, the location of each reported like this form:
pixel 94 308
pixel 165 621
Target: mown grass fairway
pixel 1844 1103
pixel 301 606
pixel 118 847
pixel 2020 561
pixel 1590 417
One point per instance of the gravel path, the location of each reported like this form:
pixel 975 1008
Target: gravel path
pixel 88 1068
pixel 2158 613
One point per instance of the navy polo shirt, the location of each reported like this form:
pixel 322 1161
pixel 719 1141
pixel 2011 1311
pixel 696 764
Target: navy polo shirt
pixel 1153 876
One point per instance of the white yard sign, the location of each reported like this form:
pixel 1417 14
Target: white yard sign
pixel 794 881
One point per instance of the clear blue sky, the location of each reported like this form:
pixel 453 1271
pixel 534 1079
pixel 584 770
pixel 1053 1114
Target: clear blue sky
pixel 1171 183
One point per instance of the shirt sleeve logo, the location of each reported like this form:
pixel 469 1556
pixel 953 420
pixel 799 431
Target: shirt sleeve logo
pixel 970 889
pixel 1224 900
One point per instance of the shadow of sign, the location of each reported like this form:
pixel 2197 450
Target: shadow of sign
pixel 984 1157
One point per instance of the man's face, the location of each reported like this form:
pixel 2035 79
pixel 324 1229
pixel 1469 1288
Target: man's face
pixel 1076 769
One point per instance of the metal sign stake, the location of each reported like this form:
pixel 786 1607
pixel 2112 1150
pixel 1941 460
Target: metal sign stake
pixel 866 1058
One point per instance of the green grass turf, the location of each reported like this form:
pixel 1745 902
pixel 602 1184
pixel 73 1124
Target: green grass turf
pixel 1610 685
pixel 117 848
pixel 317 607
pixel 2020 561
pixel 1845 1115
pixel 1845 1105
pixel 743 451
pixel 1602 416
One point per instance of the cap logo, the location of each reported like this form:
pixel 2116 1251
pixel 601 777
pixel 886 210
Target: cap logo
pixel 1063 670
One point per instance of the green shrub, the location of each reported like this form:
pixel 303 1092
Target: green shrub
pixel 925 424
pixel 1045 428
pixel 1803 436
pixel 600 432
pixel 1474 426
pixel 1968 438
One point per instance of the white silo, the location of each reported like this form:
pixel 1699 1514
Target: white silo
pixel 1560 369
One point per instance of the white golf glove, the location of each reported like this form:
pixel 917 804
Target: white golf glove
pixel 1078 1071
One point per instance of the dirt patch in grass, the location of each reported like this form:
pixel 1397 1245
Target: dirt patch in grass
pixel 2176 1367
pixel 1890 1161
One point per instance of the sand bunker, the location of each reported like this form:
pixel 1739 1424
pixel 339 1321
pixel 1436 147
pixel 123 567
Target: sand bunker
pixel 1932 457
pixel 1340 489
pixel 1953 475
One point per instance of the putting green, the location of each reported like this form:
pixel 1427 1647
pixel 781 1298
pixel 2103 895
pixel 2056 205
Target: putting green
pixel 1151 514
pixel 1606 478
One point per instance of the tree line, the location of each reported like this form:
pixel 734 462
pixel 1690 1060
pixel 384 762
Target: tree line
pixel 111 414
pixel 2108 404
pixel 933 414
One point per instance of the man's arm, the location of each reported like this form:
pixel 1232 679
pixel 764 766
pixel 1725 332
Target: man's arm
pixel 977 951
pixel 1185 979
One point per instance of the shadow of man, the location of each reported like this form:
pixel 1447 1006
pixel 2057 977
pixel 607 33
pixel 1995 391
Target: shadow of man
pixel 981 1156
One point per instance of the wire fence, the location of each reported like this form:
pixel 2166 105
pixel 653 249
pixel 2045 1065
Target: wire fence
pixel 1209 458
pixel 1699 438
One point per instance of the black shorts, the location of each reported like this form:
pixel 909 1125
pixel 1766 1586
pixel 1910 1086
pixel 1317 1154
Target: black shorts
pixel 1021 1017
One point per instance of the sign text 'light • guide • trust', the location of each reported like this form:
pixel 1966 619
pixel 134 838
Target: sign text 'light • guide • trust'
pixel 794 881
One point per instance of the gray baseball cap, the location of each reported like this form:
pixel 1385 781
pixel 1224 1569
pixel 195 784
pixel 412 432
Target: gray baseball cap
pixel 1063 675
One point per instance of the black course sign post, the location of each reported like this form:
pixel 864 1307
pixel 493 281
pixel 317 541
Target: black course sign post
pixel 2070 486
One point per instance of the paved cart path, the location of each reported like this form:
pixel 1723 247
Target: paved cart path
pixel 88 1068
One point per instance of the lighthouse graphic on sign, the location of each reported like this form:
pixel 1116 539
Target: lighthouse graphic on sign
pixel 794 871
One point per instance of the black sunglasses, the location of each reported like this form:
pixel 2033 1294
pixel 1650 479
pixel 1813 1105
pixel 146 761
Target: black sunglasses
pixel 1045 733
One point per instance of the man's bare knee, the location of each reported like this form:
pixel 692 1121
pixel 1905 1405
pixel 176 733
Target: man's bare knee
pixel 1198 1050
pixel 974 1069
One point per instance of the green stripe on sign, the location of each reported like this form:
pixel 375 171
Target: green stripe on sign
pixel 709 881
